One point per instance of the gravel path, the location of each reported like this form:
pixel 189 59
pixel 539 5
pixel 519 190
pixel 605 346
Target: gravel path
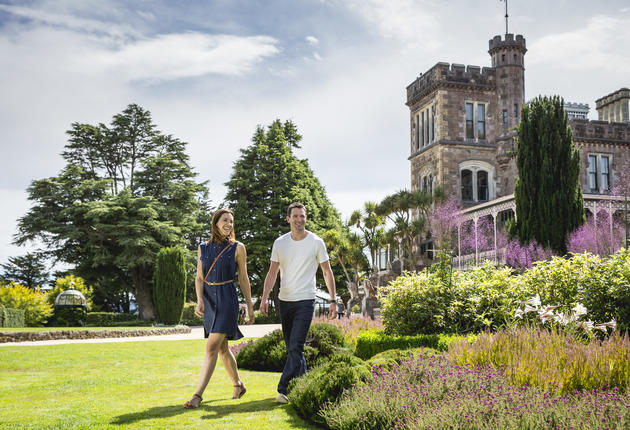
pixel 256 330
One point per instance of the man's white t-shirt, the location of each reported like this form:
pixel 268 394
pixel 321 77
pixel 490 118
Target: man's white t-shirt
pixel 298 265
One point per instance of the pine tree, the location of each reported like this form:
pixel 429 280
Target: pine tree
pixel 169 284
pixel 265 180
pixel 549 202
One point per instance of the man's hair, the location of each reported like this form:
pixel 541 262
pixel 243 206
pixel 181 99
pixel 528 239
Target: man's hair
pixel 295 205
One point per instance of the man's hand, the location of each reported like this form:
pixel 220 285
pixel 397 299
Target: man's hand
pixel 250 312
pixel 332 313
pixel 264 306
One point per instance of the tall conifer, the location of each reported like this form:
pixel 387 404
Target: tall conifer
pixel 549 202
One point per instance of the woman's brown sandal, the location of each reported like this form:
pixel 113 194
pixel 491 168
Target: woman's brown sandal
pixel 194 402
pixel 241 392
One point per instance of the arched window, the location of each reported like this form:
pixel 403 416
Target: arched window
pixel 467 185
pixel 482 186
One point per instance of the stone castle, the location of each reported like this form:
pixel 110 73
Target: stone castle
pixel 462 121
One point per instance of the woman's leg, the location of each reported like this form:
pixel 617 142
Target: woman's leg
pixel 229 362
pixel 213 346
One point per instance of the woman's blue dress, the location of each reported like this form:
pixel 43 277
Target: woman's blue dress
pixel 220 301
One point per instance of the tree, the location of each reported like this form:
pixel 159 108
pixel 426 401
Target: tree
pixel 548 196
pixel 264 181
pixel 27 270
pixel 346 249
pixel 127 191
pixel 169 282
pixel 399 208
pixel 371 224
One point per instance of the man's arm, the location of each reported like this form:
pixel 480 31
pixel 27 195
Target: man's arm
pixel 329 278
pixel 270 280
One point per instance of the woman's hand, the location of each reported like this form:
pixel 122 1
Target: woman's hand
pixel 250 312
pixel 199 309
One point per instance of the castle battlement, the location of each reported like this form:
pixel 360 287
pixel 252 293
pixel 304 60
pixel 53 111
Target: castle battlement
pixel 584 129
pixel 509 42
pixel 445 73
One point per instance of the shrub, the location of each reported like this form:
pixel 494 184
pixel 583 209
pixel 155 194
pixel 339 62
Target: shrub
pixel 169 284
pixel 188 315
pixel 68 282
pixel 70 317
pixel 326 384
pixel 32 301
pixel 269 353
pixel 11 317
pixel 105 319
pixel 430 392
pixel 372 342
pixel 387 359
pixel 355 309
pixel 550 359
pixel 351 327
pixel 272 318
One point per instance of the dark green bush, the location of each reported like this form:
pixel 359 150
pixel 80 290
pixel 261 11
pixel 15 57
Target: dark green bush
pixel 371 342
pixel 269 353
pixel 69 317
pixel 11 317
pixel 387 359
pixel 106 319
pixel 188 315
pixel 326 384
pixel 272 318
pixel 169 284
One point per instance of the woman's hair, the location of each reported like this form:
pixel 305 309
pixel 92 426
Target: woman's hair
pixel 216 235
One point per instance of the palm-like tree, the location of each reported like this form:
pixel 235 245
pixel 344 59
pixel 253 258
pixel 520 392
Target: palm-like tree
pixel 371 225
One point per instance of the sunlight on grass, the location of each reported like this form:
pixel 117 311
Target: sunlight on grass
pixel 130 385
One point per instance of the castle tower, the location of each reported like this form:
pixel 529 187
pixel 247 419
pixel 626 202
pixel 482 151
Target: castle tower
pixel 508 59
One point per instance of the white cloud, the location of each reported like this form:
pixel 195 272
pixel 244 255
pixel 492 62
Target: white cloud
pixel 312 40
pixel 409 22
pixel 317 56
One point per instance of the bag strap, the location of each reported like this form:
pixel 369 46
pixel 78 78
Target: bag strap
pixel 205 279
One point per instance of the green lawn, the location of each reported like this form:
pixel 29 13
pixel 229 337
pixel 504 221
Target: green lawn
pixel 43 329
pixel 130 385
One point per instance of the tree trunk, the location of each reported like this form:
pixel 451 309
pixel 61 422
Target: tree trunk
pixel 144 298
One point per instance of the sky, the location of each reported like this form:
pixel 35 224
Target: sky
pixel 210 71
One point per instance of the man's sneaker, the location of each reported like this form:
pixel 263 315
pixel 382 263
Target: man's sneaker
pixel 282 398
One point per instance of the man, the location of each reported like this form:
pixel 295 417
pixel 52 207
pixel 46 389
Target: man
pixel 296 255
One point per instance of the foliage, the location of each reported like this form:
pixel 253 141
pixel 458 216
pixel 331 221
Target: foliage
pixel 427 391
pixel 105 319
pixel 399 208
pixel 33 302
pixel 602 285
pixel 523 256
pixel 69 317
pixel 28 270
pixel 346 249
pixel 371 225
pixel 351 327
pixel 372 342
pixel 550 359
pixel 11 317
pixel 126 191
pixel 68 282
pixel 188 315
pixel 269 353
pixel 597 236
pixel 548 195
pixel 271 318
pixel 169 284
pixel 264 181
pixel 389 358
pixel 443 219
pixel 325 384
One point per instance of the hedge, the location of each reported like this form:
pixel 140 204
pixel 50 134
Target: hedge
pixel 104 319
pixel 11 317
pixel 372 342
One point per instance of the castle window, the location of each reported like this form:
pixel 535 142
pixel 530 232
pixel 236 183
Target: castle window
pixel 470 132
pixel 417 134
pixel 503 58
pixel 482 186
pixel 505 116
pixel 598 173
pixel 515 111
pixel 467 185
pixel 422 131
pixel 481 121
pixel 431 184
pixel 432 123
pixel 515 60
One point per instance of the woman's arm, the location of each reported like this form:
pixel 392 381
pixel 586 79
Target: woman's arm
pixel 199 285
pixel 243 279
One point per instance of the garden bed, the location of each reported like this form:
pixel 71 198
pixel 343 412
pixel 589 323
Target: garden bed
pixel 67 333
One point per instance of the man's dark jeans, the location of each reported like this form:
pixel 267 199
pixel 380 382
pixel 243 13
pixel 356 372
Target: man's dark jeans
pixel 296 319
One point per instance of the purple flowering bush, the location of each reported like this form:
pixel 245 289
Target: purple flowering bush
pixel 430 392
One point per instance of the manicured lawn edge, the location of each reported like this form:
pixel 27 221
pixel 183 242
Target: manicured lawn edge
pixel 23 336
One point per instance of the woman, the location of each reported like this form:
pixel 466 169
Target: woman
pixel 217 300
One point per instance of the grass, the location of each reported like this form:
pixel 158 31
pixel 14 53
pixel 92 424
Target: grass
pixel 130 385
